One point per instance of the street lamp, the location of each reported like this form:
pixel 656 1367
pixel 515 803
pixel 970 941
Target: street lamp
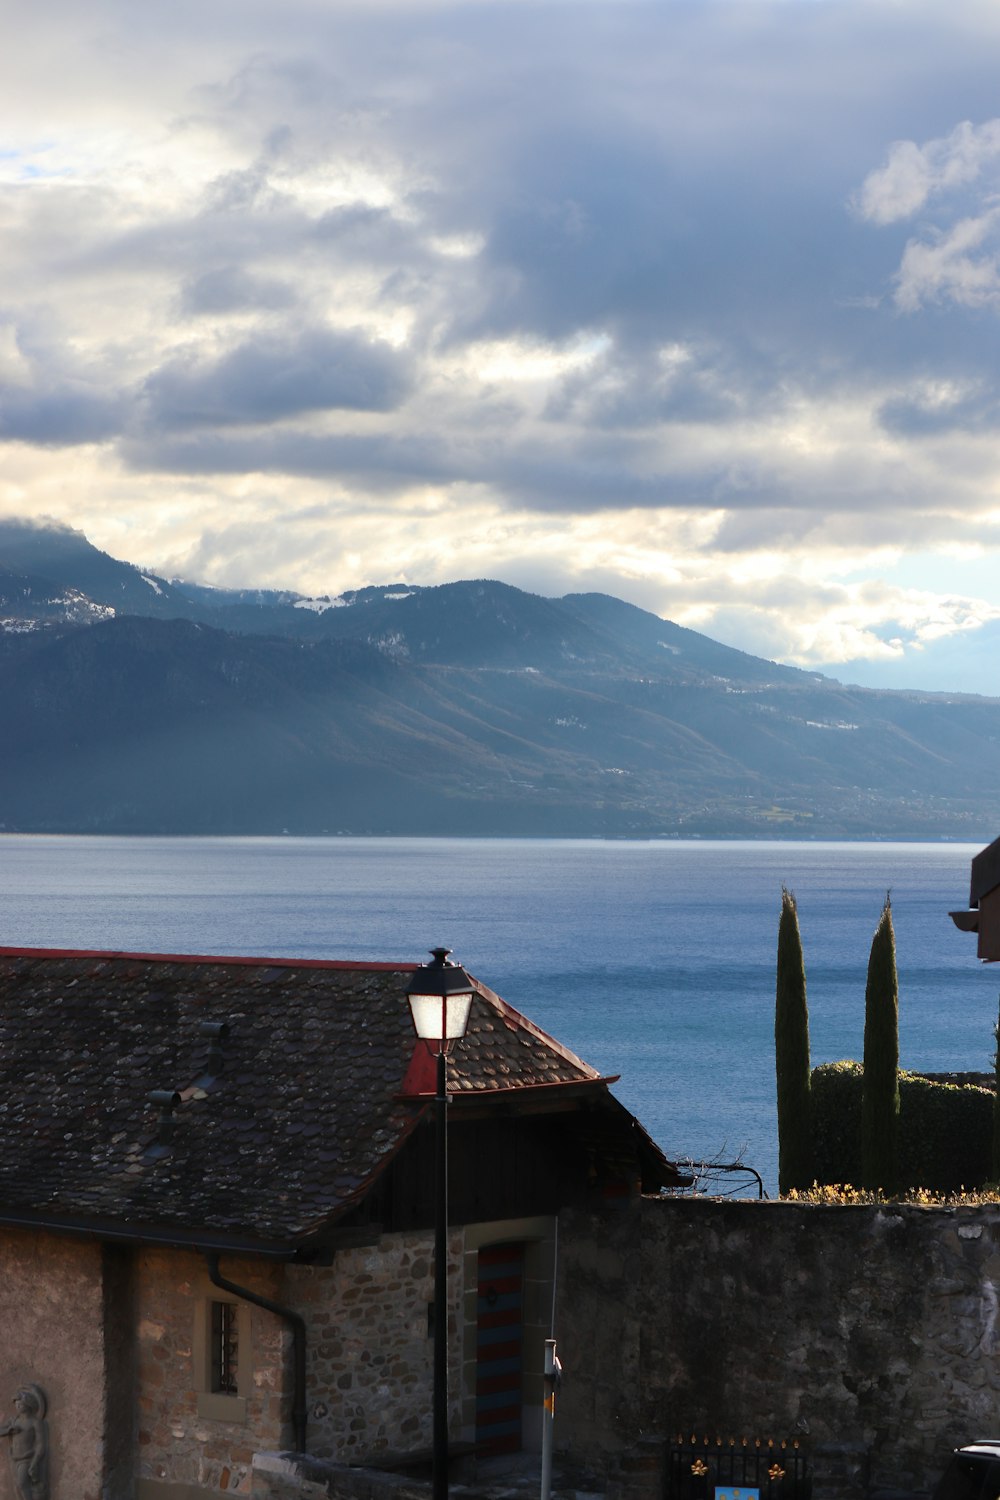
pixel 440 1000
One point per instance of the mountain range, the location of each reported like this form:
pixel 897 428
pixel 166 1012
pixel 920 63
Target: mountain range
pixel 136 703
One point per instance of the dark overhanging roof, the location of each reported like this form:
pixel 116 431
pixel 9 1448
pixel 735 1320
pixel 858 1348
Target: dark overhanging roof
pixel 266 1154
pixel 985 872
pixel 985 877
pixel 162 1236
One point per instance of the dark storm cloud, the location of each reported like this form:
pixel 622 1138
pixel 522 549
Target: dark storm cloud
pixel 385 463
pixel 599 474
pixel 666 170
pixel 641 388
pixel 650 174
pixel 756 262
pixel 655 175
pixel 273 377
pixel 58 417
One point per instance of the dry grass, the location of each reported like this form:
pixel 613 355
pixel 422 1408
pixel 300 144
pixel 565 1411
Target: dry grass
pixel 842 1194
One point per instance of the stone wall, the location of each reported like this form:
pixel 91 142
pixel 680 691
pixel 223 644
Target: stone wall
pixel 52 1296
pixel 369 1358
pixel 871 1335
pixel 188 1441
pixel 368 1355
pixel 369 1352
pixel 868 1332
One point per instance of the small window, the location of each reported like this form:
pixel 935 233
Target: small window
pixel 225 1350
pixel 222 1355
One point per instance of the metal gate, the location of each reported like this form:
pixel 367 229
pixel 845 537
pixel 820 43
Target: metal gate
pixel 702 1468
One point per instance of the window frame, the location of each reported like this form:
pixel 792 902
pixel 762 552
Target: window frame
pixel 224 1350
pixel 213 1405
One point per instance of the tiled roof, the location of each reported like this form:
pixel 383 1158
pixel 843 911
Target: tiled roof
pixel 302 1116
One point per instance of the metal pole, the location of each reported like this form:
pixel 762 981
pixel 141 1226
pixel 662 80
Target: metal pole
pixel 440 1451
pixel 548 1415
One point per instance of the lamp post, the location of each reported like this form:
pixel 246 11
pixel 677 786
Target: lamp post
pixel 440 1000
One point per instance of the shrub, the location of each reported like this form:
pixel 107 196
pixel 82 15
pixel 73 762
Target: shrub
pixel 836 1112
pixel 842 1195
pixel 945 1132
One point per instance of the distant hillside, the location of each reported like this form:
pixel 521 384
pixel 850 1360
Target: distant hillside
pixel 134 703
pixel 481 623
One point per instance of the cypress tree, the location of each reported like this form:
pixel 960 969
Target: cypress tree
pixel 880 1088
pixel 791 1055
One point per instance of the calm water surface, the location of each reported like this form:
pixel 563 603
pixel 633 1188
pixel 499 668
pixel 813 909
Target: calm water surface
pixel 652 960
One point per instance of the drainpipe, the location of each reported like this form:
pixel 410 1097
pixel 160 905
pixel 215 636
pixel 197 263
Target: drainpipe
pixel 298 1327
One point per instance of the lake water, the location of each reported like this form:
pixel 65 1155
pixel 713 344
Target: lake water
pixel 652 960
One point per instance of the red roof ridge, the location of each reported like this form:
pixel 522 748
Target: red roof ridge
pixel 253 960
pixel 511 1014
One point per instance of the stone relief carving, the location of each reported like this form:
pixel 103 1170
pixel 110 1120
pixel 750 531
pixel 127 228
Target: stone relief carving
pixel 28 1433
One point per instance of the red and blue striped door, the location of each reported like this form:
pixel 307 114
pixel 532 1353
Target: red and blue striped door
pixel 498 1349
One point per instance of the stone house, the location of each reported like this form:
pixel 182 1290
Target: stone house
pixel 983 916
pixel 216 1204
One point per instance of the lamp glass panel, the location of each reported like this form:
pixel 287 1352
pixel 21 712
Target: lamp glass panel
pixel 458 1015
pixel 428 1011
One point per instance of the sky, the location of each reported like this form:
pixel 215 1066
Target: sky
pixel 694 302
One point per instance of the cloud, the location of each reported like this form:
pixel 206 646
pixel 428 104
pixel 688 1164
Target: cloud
pixel 936 407
pixel 682 295
pixel 676 382
pixel 840 628
pixel 61 417
pixel 960 264
pixel 50 396
pixel 956 176
pixel 913 174
pixel 273 377
pixel 232 289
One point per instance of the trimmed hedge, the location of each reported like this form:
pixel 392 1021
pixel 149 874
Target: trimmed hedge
pixel 945 1132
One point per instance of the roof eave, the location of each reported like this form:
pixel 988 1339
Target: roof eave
pixel 117 1231
pixel 521 1095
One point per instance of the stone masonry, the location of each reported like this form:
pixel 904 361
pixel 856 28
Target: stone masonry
pixel 369 1355
pixel 180 1446
pixel 868 1331
pixel 53 1295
